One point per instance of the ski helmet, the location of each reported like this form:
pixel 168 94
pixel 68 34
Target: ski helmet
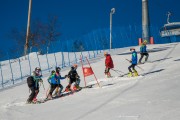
pixel 52 72
pixel 58 68
pixel 132 49
pixel 105 53
pixel 75 65
pixel 145 41
pixel 37 69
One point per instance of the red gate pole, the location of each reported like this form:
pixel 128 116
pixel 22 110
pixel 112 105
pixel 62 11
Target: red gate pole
pixel 93 72
pixel 83 71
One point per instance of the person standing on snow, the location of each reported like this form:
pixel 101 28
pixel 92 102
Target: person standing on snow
pixel 108 63
pixel 54 81
pixel 133 62
pixel 58 78
pixel 53 84
pixel 73 77
pixel 34 87
pixel 143 52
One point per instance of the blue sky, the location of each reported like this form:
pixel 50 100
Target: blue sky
pixel 78 17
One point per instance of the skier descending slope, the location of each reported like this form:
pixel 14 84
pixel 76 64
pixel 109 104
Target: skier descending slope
pixel 133 62
pixel 109 64
pixel 33 84
pixel 143 52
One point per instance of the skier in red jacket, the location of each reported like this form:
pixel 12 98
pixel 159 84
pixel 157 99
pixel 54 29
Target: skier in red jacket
pixel 108 63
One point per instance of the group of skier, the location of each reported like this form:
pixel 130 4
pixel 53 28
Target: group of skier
pixel 134 60
pixel 54 81
pixel 55 77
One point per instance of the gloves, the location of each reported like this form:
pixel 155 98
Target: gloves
pixel 41 80
pixel 77 76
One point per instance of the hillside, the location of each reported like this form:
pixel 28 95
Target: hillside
pixel 154 95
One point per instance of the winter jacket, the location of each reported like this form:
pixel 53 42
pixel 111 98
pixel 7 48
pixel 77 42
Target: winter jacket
pixel 37 78
pixel 58 78
pixel 73 73
pixel 134 57
pixel 143 48
pixel 109 61
pixel 52 79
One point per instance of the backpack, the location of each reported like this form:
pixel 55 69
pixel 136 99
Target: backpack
pixel 30 81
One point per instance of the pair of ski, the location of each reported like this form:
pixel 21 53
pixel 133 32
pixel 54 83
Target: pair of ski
pixel 62 95
pixel 39 101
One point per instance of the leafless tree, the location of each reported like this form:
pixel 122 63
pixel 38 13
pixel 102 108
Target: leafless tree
pixel 52 29
pixel 19 37
pixel 41 34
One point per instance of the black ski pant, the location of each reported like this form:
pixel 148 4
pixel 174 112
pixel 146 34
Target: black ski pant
pixel 53 87
pixel 71 80
pixel 142 55
pixel 61 87
pixel 34 92
pixel 131 66
pixel 107 70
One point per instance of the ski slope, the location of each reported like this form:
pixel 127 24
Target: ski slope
pixel 154 95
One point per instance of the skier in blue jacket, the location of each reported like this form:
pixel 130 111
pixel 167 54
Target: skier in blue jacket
pixel 54 80
pixel 133 62
pixel 143 52
pixel 59 78
pixel 53 84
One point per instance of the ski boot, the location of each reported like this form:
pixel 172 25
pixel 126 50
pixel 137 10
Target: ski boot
pixel 60 94
pixel 49 97
pixel 76 87
pixel 135 73
pixel 130 74
pixel 109 75
pixel 68 89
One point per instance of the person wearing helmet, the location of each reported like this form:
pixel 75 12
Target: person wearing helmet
pixel 133 62
pixel 58 77
pixel 108 63
pixel 53 84
pixel 73 77
pixel 54 80
pixel 36 77
pixel 143 52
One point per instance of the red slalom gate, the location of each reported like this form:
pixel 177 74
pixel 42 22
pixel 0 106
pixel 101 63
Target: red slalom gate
pixel 87 71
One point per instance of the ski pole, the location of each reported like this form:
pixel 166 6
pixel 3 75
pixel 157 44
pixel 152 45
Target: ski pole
pixel 43 85
pixel 136 65
pixel 117 70
pixel 47 92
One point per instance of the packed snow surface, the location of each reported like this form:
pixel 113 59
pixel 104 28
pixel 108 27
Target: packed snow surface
pixel 154 95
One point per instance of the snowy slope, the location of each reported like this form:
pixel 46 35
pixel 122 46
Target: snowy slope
pixel 152 96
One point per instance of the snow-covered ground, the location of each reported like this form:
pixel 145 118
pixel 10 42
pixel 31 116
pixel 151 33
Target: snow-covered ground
pixel 154 95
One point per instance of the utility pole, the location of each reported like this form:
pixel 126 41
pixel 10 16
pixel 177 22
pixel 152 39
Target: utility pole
pixel 145 21
pixel 28 28
pixel 111 13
